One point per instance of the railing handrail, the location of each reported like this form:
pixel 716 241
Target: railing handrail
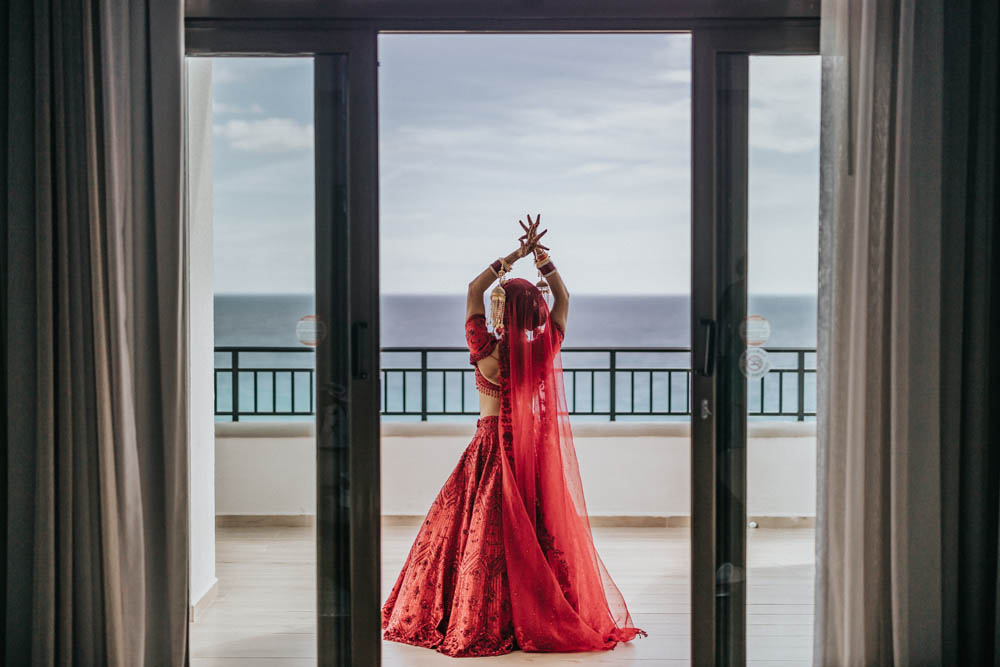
pixel 613 371
pixel 592 348
pixel 459 348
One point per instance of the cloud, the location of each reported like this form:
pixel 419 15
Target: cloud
pixel 276 258
pixel 475 130
pixel 287 175
pixel 267 135
pixel 673 76
pixel 595 167
pixel 241 70
pixel 784 103
pixel 222 107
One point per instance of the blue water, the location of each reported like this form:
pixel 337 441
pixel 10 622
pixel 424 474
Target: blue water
pixel 422 320
pixel 437 320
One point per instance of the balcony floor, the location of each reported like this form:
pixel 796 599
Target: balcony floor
pixel 265 610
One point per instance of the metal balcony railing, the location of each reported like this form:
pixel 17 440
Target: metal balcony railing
pixel 424 382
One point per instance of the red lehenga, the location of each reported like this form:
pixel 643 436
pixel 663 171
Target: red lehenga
pixel 486 574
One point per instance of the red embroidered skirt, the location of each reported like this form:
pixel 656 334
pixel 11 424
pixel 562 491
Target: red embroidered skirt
pixel 452 594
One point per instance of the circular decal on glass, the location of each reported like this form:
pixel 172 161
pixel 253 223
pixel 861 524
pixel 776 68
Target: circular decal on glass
pixel 754 363
pixel 310 330
pixel 755 330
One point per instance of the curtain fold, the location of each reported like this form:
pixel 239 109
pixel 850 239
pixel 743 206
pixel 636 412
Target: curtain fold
pixel 907 510
pixel 94 347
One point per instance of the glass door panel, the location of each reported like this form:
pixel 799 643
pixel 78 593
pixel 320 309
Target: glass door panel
pixel 778 359
pixel 767 188
pixel 755 219
pixel 325 108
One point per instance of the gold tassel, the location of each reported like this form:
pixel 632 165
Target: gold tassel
pixel 498 298
pixel 543 287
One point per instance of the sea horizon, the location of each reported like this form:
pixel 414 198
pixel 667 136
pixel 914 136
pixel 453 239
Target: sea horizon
pixel 437 320
pixel 425 320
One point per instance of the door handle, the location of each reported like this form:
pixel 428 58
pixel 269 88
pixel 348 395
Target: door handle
pixel 359 347
pixel 708 357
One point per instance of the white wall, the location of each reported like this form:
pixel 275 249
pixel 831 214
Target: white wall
pixel 200 328
pixel 265 469
pixel 781 471
pixel 628 469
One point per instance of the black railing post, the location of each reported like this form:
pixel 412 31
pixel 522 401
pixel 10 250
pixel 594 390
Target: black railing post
pixel 423 385
pixel 236 385
pixel 614 382
pixel 802 386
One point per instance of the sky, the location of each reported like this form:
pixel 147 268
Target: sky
pixel 476 131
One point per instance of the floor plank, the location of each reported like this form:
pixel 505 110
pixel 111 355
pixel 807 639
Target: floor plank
pixel 265 613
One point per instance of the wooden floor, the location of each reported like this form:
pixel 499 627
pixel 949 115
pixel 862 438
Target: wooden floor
pixel 265 610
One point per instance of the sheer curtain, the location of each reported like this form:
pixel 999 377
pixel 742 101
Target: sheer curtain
pixel 94 352
pixel 908 483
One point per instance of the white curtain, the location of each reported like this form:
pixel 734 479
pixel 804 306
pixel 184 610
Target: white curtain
pixel 907 499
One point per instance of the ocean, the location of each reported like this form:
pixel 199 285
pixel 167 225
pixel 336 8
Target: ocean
pixel 438 321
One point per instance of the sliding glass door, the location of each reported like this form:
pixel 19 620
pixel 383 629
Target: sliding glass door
pixel 745 303
pixel 344 331
pixel 729 340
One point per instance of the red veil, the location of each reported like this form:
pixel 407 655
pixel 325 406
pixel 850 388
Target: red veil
pixel 562 597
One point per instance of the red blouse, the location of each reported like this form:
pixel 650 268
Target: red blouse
pixel 481 343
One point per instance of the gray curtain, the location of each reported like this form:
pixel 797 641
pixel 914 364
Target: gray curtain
pixel 94 349
pixel 907 524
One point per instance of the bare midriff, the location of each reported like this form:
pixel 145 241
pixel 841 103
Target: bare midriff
pixel 489 406
pixel 489 403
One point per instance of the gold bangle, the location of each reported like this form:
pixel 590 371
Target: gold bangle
pixel 545 259
pixel 503 263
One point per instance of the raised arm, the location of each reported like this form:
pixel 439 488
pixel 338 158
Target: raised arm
pixel 560 295
pixel 529 243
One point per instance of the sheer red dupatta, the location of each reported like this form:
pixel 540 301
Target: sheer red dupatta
pixel 562 597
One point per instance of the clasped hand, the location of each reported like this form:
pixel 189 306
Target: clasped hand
pixel 530 239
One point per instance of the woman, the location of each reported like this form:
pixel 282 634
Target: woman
pixel 505 558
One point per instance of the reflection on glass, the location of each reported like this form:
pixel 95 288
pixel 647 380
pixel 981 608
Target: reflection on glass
pixel 780 367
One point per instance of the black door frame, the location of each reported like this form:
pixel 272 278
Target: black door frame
pixel 346 289
pixel 343 39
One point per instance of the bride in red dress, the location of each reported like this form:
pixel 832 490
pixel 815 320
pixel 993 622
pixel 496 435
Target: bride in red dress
pixel 505 559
